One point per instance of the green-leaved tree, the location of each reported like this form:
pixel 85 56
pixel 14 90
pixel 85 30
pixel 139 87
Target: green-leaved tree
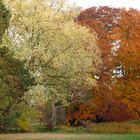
pixel 14 79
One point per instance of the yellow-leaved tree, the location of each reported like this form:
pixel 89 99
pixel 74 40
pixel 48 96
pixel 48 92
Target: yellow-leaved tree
pixel 61 55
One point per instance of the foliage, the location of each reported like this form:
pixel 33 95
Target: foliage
pixel 58 52
pixel 103 20
pixel 111 109
pixel 15 80
pixel 127 58
pixel 36 97
pixel 118 80
pixel 47 38
pixel 79 114
pixel 4 19
pixel 24 121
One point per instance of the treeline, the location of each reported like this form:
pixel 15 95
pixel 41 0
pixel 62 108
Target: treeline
pixel 53 54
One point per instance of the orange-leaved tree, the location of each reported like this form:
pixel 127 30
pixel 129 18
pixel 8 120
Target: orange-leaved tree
pixel 103 20
pixel 127 59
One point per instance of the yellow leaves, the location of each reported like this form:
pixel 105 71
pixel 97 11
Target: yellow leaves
pixel 58 52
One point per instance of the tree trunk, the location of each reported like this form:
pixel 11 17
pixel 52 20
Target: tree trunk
pixel 50 115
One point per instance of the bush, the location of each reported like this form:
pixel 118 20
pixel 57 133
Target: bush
pixel 23 123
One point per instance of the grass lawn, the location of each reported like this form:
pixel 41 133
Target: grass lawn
pixel 103 131
pixel 102 128
pixel 40 136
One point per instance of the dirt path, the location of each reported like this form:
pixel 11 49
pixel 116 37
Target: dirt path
pixel 45 136
pixel 37 136
pixel 31 136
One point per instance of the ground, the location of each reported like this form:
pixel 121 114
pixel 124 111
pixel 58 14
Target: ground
pixel 45 136
pixel 102 131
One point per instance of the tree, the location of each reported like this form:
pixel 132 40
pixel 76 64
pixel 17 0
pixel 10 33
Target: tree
pixel 14 79
pixel 127 57
pixel 58 52
pixel 118 80
pixel 103 20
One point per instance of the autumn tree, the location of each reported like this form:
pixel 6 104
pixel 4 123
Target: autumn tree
pixel 103 20
pixel 127 60
pixel 59 53
pixel 117 31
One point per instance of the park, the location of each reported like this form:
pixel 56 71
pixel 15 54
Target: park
pixel 69 71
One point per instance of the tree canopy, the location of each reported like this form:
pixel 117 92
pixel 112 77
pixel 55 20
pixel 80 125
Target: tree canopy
pixel 60 54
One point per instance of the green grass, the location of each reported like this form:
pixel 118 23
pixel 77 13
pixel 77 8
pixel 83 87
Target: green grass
pixel 99 137
pixel 102 128
pixel 103 131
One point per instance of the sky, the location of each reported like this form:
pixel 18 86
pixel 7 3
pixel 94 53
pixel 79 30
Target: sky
pixel 112 3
